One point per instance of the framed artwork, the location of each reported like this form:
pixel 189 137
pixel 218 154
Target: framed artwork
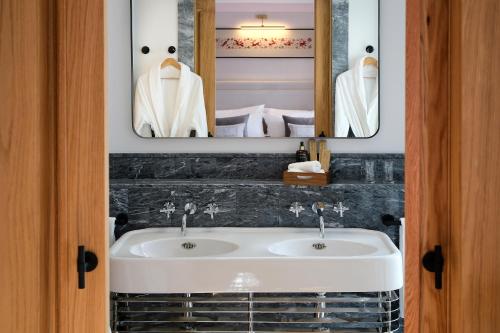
pixel 285 43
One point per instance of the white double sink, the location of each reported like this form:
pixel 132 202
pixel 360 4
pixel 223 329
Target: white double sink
pixel 216 260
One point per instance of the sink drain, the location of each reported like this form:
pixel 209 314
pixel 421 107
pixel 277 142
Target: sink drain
pixel 319 246
pixel 188 245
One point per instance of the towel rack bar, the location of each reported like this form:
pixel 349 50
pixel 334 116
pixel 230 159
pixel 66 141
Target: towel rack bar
pixel 259 313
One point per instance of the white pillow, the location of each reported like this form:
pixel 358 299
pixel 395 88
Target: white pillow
pixel 275 123
pixel 255 128
pixel 301 131
pixel 230 131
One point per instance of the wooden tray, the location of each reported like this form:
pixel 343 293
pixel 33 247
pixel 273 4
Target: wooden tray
pixel 306 178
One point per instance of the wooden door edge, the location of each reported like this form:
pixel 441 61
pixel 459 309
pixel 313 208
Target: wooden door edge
pixel 413 166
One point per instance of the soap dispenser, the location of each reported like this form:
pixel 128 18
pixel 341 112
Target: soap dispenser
pixel 301 154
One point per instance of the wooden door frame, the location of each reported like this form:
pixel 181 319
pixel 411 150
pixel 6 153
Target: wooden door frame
pixel 427 146
pixel 422 186
pixel 205 49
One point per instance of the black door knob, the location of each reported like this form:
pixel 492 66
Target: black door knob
pixel 433 261
pixel 86 262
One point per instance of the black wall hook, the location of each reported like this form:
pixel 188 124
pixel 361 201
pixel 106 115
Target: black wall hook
pixel 388 220
pixel 145 49
pixel 370 49
pixel 171 49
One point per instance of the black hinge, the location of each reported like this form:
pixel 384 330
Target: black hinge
pixel 433 261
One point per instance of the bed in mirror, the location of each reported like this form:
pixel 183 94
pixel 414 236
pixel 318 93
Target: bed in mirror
pixel 255 69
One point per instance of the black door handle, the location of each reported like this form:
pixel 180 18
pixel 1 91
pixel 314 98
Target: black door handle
pixel 86 262
pixel 433 261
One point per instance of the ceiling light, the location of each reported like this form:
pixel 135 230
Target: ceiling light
pixel 262 26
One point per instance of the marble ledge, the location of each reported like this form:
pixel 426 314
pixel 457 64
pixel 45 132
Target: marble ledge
pixel 233 182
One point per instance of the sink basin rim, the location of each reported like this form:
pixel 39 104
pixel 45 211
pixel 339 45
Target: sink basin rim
pixel 172 244
pixel 275 248
pixel 262 271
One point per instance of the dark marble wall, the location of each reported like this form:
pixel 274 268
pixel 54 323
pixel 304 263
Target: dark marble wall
pixel 186 16
pixel 340 42
pixel 249 192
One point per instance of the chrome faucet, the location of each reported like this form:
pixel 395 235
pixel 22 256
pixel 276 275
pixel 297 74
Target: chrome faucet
pixel 340 208
pixel 296 208
pixel 168 208
pixel 212 209
pixel 318 208
pixel 189 209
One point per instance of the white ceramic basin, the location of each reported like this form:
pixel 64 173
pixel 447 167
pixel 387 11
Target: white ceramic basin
pixel 254 260
pixel 321 248
pixel 182 248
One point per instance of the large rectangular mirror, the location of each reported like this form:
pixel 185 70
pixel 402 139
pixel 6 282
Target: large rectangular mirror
pixel 255 68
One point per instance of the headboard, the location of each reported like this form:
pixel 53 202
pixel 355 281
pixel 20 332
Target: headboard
pixel 293 95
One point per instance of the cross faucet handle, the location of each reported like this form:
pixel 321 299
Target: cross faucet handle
pixel 212 209
pixel 296 208
pixel 168 208
pixel 340 208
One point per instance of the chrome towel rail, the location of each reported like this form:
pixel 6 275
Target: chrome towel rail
pixel 259 312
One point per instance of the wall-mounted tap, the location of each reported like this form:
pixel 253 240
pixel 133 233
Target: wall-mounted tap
pixel 212 209
pixel 340 208
pixel 318 208
pixel 296 208
pixel 168 208
pixel 189 209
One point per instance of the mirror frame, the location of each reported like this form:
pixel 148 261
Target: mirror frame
pixel 205 49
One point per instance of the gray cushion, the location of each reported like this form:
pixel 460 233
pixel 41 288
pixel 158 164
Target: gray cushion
pixel 296 121
pixel 234 121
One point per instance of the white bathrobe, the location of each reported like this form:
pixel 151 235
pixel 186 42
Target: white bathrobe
pixel 355 106
pixel 169 107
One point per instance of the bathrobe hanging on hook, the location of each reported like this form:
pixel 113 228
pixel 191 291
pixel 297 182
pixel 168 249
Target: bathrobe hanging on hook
pixel 356 100
pixel 169 103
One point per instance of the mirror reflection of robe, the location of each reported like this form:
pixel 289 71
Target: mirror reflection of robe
pixel 169 107
pixel 355 107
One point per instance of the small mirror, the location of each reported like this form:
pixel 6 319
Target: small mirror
pixel 255 69
pixel 355 52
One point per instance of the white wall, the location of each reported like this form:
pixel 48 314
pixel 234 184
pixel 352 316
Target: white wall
pixel 363 29
pixel 154 17
pixel 390 138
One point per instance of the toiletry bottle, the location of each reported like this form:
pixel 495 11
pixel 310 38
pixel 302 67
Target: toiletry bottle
pixel 301 155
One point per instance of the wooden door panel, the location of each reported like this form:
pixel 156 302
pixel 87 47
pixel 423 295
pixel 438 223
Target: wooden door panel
pixel 26 174
pixel 475 228
pixel 82 163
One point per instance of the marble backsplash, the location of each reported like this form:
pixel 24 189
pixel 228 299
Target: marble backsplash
pixel 248 190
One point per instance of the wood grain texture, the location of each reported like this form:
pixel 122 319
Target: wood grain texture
pixel 82 170
pixel 474 258
pixel 435 154
pixel 413 164
pixel 205 55
pixel 323 68
pixel 427 161
pixel 306 178
pixel 26 177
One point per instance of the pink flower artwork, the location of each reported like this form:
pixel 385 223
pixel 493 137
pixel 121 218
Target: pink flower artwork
pixel 232 43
